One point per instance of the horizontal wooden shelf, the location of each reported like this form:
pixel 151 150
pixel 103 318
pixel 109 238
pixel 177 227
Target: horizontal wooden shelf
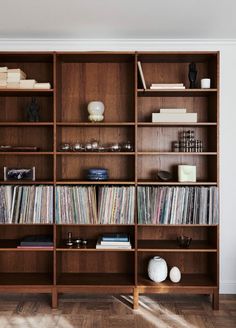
pixel 91 124
pixel 11 245
pixel 157 124
pixel 90 247
pixel 33 153
pixel 86 182
pixel 176 92
pixel 95 153
pixel 26 124
pixel 95 225
pixel 26 278
pixel 172 246
pixel 187 280
pixel 177 153
pixel 26 92
pixel 26 182
pixel 96 279
pixel 176 183
pixel 190 225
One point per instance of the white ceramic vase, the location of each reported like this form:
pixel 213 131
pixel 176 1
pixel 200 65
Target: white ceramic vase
pixel 175 274
pixel 96 110
pixel 157 269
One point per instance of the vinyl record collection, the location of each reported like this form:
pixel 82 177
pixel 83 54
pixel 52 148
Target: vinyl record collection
pixel 178 205
pixel 26 204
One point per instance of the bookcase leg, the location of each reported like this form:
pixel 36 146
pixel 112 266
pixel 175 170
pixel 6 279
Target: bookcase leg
pixel 54 298
pixel 215 300
pixel 135 298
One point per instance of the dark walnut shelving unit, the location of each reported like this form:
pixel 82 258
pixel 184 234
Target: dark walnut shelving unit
pixel 112 77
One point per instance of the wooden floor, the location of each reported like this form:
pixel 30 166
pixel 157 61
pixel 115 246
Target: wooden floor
pixel 164 311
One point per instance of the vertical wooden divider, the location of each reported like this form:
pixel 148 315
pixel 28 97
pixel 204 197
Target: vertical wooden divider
pixel 135 295
pixel 55 94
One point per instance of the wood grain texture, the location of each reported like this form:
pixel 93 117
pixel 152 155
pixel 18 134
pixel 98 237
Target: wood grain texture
pixel 89 311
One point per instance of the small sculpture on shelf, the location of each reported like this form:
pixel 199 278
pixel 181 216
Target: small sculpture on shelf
pixel 96 110
pixel 164 175
pixel 192 75
pixel 19 174
pixel 175 274
pixel 184 241
pixel 157 269
pixel 33 111
pixel 187 143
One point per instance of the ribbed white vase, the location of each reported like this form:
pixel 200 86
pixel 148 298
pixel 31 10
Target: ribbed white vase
pixel 157 269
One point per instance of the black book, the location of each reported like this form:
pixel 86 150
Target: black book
pixel 42 240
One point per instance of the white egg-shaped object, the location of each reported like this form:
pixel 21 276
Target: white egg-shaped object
pixel 175 274
pixel 96 108
pixel 157 269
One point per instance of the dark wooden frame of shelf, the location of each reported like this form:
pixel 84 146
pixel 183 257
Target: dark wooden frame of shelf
pixel 140 285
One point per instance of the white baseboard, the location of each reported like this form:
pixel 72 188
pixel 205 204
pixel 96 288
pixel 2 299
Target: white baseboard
pixel 228 287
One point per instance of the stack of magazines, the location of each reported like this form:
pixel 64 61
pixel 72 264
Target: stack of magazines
pixel 114 241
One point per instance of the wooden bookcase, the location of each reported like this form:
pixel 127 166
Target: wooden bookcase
pixel 76 79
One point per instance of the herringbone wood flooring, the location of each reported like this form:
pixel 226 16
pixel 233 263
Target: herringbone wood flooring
pixel 165 311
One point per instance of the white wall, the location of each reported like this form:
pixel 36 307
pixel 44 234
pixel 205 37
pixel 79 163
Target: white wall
pixel 227 125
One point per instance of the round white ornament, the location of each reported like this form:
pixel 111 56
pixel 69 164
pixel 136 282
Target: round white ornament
pixel 175 274
pixel 157 269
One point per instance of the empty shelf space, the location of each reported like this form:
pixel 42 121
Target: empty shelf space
pixel 96 279
pixel 25 278
pixel 172 246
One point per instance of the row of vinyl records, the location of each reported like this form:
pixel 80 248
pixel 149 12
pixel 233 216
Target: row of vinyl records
pixel 178 205
pixel 108 205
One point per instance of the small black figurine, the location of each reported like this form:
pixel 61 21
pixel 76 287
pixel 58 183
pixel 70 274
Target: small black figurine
pixel 192 75
pixel 33 111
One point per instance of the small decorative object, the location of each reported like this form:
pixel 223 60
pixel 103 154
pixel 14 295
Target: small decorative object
pixel 88 146
pixel 77 242
pixel 97 174
pixel 115 147
pixel 164 175
pixel 69 241
pixel 175 274
pixel 96 110
pixel 33 111
pixel 95 145
pixel 84 242
pixel 187 173
pixel 19 174
pixel 205 83
pixel 157 269
pixel 192 75
pixel 65 147
pixel 78 147
pixel 184 241
pixel 187 142
pixel 127 146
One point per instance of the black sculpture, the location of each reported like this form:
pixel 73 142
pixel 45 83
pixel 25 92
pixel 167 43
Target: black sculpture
pixel 33 111
pixel 192 75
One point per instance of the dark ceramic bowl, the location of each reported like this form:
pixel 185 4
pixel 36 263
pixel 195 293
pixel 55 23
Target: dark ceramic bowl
pixel 184 241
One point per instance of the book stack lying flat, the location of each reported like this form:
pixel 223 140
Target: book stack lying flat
pixel 14 76
pixel 114 241
pixel 168 86
pixel 38 241
pixel 174 115
pixel 3 77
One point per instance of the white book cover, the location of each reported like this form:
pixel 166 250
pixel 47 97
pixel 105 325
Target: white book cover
pixel 42 86
pixel 27 84
pixel 173 110
pixel 167 85
pixel 13 85
pixel 174 118
pixel 141 75
pixel 168 88
pixel 3 69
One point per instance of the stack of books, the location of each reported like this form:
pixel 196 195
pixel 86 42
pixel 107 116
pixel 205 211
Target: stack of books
pixel 174 115
pixel 168 86
pixel 3 77
pixel 114 241
pixel 16 79
pixel 38 241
